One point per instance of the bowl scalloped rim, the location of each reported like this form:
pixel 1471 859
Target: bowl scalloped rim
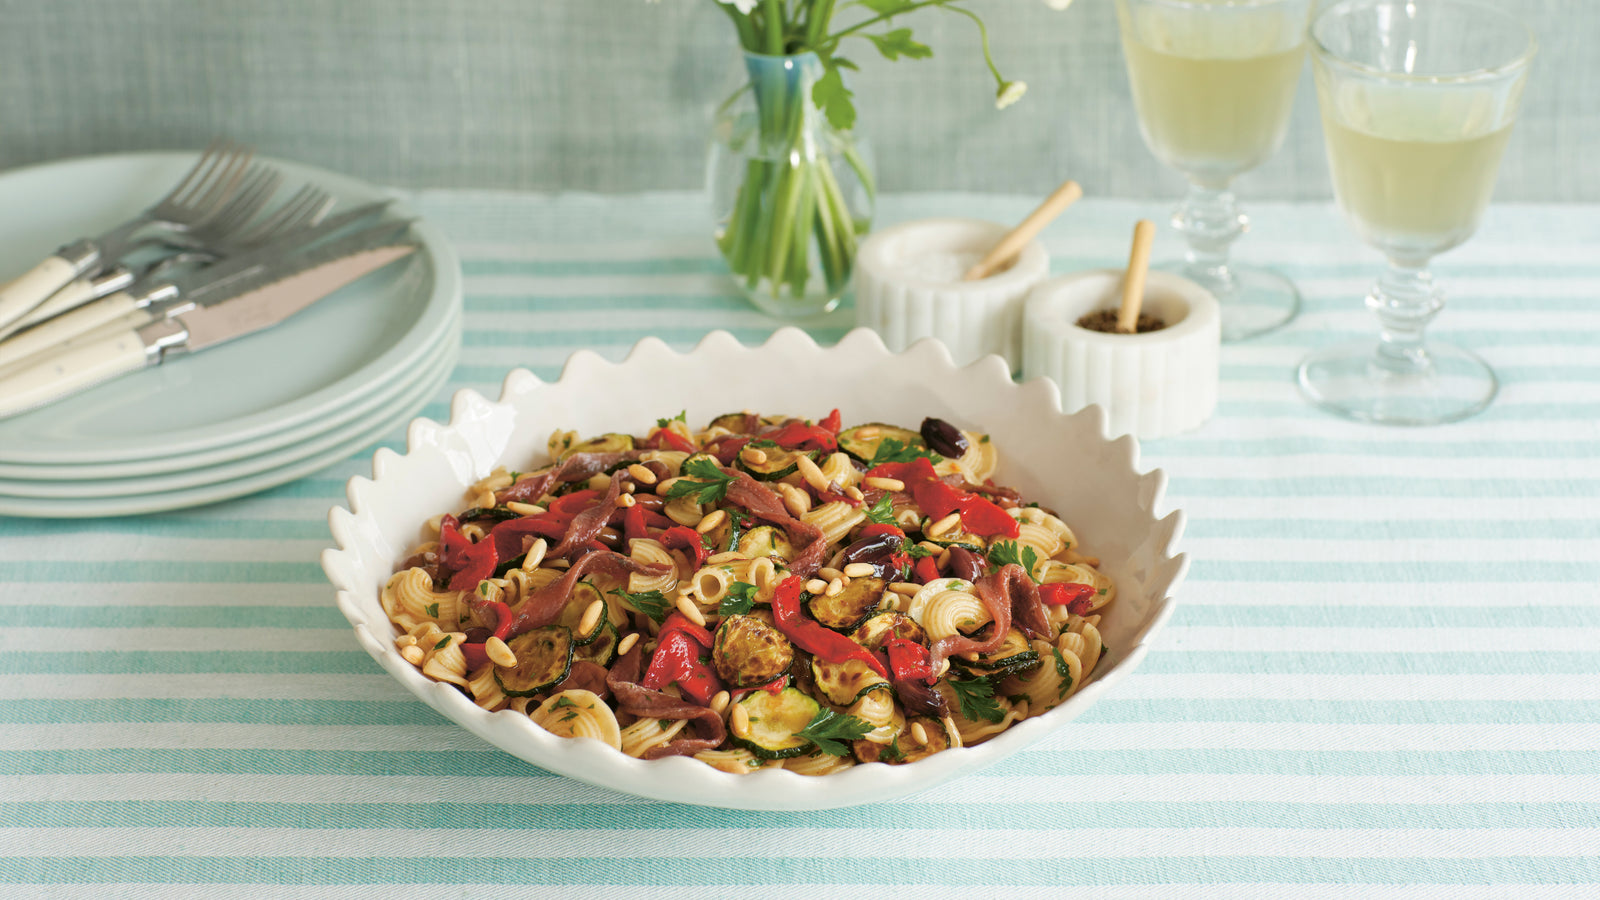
pixel 385 514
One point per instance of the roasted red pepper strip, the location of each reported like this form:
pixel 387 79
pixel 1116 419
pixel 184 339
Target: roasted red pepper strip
pixel 979 515
pixel 1077 598
pixel 800 436
pixel 476 657
pixel 633 528
pixel 919 469
pixel 473 565
pixel 677 659
pixel 688 540
pixel 831 422
pixel 670 440
pixel 909 660
pixel 450 538
pixel 573 503
pixel 925 570
pixel 508 535
pixel 812 637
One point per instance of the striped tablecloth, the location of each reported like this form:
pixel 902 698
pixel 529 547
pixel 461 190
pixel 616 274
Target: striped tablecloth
pixel 1382 680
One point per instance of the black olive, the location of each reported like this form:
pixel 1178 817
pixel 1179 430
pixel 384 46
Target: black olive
pixel 944 438
pixel 871 549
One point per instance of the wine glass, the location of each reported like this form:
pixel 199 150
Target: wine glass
pixel 1213 82
pixel 1418 100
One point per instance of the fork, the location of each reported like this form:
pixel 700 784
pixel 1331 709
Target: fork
pixel 255 188
pixel 201 192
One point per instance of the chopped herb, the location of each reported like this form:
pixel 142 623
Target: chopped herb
pixel 711 484
pixel 753 763
pixel 1003 553
pixel 651 603
pixel 917 551
pixel 682 416
pixel 977 699
pixel 892 753
pixel 984 439
pixel 828 729
pixel 665 723
pixel 570 716
pixel 1033 505
pixel 563 701
pixel 763 443
pixel 1064 672
pixel 432 609
pixel 741 597
pixel 882 512
pixel 443 643
pixel 1101 592
pixel 893 451
pixel 515 476
pixel 483 588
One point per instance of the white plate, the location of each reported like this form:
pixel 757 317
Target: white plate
pixel 139 504
pixel 300 372
pixel 394 396
pixel 1064 461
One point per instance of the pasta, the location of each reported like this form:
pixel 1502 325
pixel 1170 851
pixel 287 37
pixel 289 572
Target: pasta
pixel 765 592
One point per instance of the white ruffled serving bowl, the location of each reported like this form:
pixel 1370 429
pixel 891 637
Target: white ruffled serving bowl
pixel 1063 461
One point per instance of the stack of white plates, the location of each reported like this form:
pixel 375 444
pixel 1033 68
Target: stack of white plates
pixel 242 417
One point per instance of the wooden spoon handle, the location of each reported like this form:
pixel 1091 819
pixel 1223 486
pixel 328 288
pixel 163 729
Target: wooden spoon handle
pixel 1144 233
pixel 1017 238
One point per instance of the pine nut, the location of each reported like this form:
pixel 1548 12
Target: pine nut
pixel 859 570
pixel 412 654
pixel 739 721
pixel 498 652
pixel 798 502
pixel 886 484
pixel 755 456
pixel 627 644
pixel 665 487
pixel 485 500
pixel 642 474
pixel 524 509
pixel 905 587
pixel 591 617
pixel 712 519
pixel 918 733
pixel 536 552
pixel 835 587
pixel 813 475
pixel 854 493
pixel 816 586
pixel 625 500
pixel 690 611
pixel 829 573
pixel 600 482
pixel 945 524
pixel 720 702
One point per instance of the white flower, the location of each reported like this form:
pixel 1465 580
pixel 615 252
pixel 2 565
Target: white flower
pixel 745 6
pixel 1010 92
pixel 1058 5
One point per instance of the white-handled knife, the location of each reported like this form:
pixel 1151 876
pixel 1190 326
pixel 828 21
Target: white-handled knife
pixel 251 304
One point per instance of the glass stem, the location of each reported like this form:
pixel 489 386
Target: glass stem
pixel 1405 301
pixel 1210 221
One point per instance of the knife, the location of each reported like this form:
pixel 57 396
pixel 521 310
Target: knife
pixel 148 294
pixel 239 303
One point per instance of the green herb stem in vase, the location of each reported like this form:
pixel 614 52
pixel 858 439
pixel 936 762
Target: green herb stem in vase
pixel 792 188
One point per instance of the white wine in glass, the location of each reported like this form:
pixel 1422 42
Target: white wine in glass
pixel 1214 82
pixel 1417 100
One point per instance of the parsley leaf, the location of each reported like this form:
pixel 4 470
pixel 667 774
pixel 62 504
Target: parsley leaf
pixel 828 729
pixel 710 486
pixel 977 699
pixel 682 416
pixel 1064 672
pixel 432 609
pixel 443 643
pixel 917 551
pixel 892 753
pixel 892 451
pixel 741 596
pixel 1003 553
pixel 651 603
pixel 882 512
pixel 563 701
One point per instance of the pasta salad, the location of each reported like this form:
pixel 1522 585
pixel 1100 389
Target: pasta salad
pixel 765 592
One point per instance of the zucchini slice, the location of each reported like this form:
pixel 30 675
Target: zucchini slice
pixel 977 543
pixel 487 514
pixel 748 651
pixel 876 630
pixel 605 443
pixel 844 683
pixel 851 606
pixel 603 648
pixel 780 463
pixel 938 740
pixel 736 422
pixel 765 540
pixel 1013 656
pixel 544 659
pixel 776 721
pixel 862 441
pixel 572 614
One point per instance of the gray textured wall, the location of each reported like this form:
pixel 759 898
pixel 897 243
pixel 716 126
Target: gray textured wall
pixel 615 95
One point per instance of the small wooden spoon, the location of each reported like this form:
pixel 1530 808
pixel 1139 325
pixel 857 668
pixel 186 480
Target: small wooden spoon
pixel 1144 233
pixel 1017 238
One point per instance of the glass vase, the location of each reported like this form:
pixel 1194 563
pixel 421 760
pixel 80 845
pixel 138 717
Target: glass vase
pixel 791 195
